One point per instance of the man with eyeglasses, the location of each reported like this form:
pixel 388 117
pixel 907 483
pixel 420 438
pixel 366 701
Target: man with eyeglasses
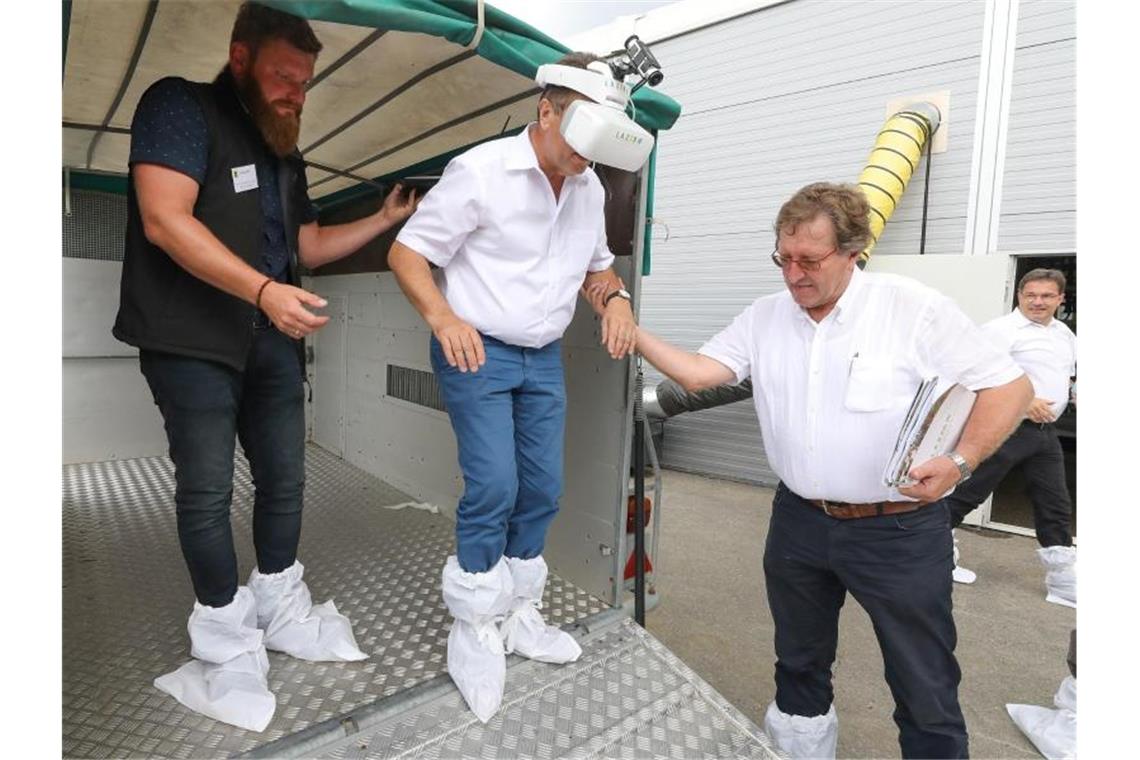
pixel 1046 349
pixel 834 363
pixel 218 221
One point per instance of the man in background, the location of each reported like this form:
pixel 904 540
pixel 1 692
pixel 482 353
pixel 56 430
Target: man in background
pixel 1046 349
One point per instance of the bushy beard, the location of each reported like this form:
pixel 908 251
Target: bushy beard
pixel 280 132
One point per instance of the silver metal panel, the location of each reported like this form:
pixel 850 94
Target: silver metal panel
pixel 108 411
pixel 413 447
pixel 127 596
pixel 409 446
pixel 1039 188
pixel 627 697
pixel 775 99
pixel 1046 21
pixel 330 361
pixel 90 303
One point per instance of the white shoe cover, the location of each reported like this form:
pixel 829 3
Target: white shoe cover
pixel 802 738
pixel 1053 732
pixel 524 631
pixel 961 574
pixel 475 657
pixel 1060 574
pixel 293 625
pixel 227 679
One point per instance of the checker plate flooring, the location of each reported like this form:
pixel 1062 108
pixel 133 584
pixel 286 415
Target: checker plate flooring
pixel 127 597
pixel 626 697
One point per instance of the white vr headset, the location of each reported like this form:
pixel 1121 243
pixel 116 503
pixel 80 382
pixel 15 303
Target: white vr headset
pixel 599 130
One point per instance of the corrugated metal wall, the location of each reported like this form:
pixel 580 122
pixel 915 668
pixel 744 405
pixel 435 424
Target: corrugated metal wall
pixel 1039 191
pixel 773 100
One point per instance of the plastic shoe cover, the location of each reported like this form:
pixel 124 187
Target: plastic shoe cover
pixel 1060 574
pixel 293 625
pixel 1053 732
pixel 475 657
pixel 803 738
pixel 227 679
pixel 961 574
pixel 524 631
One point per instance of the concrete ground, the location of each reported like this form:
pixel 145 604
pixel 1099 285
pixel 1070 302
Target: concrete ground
pixel 713 614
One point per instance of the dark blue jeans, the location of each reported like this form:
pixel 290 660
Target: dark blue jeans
pixel 204 404
pixel 898 568
pixel 509 420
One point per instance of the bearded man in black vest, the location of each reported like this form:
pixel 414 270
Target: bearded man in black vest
pixel 218 221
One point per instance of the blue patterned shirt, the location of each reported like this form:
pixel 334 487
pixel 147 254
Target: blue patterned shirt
pixel 170 129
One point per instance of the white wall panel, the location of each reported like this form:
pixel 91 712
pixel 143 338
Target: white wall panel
pixel 90 303
pixel 108 410
pixel 1039 201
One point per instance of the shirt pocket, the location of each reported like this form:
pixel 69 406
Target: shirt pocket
pixel 870 384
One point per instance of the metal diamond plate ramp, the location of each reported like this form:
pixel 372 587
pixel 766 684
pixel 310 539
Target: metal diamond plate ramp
pixel 626 697
pixel 127 597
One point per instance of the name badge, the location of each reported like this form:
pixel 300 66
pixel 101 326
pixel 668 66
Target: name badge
pixel 245 178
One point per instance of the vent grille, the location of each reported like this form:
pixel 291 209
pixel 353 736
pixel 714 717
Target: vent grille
pixel 414 386
pixel 97 226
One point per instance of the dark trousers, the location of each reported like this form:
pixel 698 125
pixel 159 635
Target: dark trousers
pixel 898 568
pixel 1037 450
pixel 204 404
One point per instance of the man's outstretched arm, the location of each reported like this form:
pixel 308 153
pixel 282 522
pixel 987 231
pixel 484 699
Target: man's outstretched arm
pixel 691 371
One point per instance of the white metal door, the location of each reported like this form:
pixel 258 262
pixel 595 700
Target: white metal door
pixel 329 376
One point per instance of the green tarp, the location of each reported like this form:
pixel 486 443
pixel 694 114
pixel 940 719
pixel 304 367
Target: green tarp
pixel 506 41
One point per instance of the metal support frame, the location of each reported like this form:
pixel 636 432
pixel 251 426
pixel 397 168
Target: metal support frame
pixel 152 9
pixel 995 85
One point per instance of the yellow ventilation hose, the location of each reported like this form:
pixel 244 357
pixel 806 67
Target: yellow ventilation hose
pixel 893 160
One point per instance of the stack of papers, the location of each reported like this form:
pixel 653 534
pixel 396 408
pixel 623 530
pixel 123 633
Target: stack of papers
pixel 932 428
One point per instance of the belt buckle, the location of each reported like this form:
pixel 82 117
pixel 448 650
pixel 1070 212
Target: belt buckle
pixel 826 507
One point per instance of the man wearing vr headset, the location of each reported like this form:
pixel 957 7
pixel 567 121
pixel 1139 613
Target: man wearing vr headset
pixel 516 226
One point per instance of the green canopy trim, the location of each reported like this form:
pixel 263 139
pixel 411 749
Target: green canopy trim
pixel 506 41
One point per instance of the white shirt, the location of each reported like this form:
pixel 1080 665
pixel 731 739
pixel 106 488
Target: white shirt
pixel 832 396
pixel 512 257
pixel 1047 353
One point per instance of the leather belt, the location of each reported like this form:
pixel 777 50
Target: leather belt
pixel 841 510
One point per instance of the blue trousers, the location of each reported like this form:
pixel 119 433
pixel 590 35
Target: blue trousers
pixel 204 404
pixel 509 420
pixel 898 568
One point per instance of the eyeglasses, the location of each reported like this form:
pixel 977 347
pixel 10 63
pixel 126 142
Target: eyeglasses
pixel 808 265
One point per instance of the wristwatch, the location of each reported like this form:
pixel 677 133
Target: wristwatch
pixel 619 293
pixel 964 471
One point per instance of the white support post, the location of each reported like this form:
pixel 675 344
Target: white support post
pixel 995 82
